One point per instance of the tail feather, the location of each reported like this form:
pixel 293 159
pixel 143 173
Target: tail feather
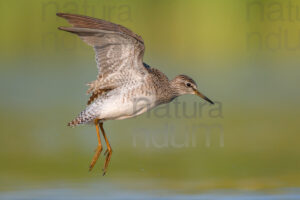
pixel 74 122
pixel 82 118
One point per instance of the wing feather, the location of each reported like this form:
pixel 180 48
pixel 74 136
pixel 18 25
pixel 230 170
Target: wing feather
pixel 118 51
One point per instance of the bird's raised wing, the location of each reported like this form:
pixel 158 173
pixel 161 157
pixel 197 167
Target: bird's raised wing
pixel 119 51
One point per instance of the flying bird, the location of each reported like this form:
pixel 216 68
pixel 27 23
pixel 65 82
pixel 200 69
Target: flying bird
pixel 125 86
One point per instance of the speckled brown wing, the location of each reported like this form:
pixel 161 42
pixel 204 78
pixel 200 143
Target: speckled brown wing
pixel 119 51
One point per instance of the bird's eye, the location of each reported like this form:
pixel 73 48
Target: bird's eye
pixel 188 84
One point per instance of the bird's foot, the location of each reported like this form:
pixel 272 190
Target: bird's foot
pixel 108 154
pixel 96 156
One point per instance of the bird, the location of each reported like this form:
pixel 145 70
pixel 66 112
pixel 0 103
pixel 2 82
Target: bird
pixel 125 86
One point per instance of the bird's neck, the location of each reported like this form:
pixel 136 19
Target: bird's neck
pixel 175 91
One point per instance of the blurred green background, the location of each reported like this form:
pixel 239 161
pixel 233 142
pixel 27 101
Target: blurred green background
pixel 243 54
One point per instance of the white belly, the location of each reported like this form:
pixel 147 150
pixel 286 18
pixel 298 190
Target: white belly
pixel 118 108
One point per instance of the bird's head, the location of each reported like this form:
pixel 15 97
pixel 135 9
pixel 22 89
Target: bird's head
pixel 183 84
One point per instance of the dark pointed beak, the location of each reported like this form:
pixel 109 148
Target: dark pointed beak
pixel 203 96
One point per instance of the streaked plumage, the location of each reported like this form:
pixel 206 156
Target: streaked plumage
pixel 125 86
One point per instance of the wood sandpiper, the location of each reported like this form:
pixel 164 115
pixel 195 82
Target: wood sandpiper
pixel 125 86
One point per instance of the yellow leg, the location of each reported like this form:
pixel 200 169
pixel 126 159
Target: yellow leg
pixel 99 147
pixel 108 151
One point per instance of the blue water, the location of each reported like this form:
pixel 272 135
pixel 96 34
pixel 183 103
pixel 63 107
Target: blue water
pixel 109 194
